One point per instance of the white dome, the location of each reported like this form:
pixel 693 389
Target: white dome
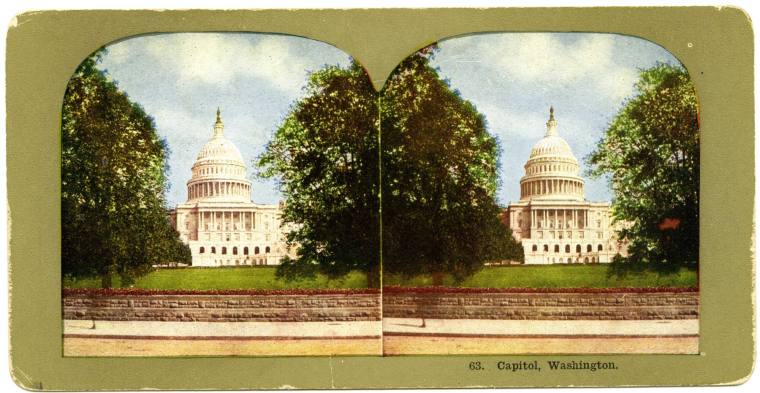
pixel 553 146
pixel 552 171
pixel 220 148
pixel 219 171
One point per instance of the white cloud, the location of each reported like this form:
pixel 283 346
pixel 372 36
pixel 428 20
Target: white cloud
pixel 539 57
pixel 218 59
pixel 512 124
pixel 544 59
pixel 119 52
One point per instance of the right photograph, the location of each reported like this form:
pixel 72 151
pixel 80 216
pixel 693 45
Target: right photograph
pixel 540 195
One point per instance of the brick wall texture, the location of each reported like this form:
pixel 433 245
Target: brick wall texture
pixel 223 308
pixel 366 307
pixel 543 306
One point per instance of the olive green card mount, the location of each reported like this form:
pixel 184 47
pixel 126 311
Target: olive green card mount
pixel 715 45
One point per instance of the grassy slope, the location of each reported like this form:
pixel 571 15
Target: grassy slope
pixel 553 276
pixel 228 278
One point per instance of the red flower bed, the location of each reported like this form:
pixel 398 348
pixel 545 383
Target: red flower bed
pixel 274 292
pixel 398 289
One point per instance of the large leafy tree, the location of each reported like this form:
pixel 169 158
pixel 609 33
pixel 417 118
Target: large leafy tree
pixel 113 178
pixel 440 176
pixel 651 154
pixel 325 155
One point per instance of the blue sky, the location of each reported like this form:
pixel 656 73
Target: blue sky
pixel 512 78
pixel 180 80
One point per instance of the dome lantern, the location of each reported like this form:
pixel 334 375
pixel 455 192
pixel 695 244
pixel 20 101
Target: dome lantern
pixel 551 125
pixel 219 172
pixel 552 171
pixel 218 126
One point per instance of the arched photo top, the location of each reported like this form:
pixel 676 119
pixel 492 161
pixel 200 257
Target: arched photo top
pixel 180 79
pixel 513 78
pixel 198 127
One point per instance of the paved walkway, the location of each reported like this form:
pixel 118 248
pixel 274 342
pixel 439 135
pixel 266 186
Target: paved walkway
pixel 149 329
pixel 530 328
pixel 466 336
pixel 399 336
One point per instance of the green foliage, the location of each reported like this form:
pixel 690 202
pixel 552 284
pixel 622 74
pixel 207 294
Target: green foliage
pixel 227 278
pixel 113 179
pixel 440 175
pixel 552 276
pixel 651 154
pixel 325 155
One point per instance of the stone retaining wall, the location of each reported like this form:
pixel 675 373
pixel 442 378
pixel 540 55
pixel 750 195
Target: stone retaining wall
pixel 543 306
pixel 223 308
pixel 366 307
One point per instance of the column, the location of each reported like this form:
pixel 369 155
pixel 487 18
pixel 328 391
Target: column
pixel 575 218
pixel 556 221
pixel 585 219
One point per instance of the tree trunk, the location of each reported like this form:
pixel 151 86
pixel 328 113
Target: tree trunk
pixel 438 279
pixel 373 277
pixel 105 280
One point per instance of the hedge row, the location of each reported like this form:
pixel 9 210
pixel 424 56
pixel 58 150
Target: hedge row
pixel 153 292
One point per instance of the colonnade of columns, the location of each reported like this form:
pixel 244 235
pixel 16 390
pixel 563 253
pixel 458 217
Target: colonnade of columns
pixel 551 186
pixel 218 188
pixel 228 221
pixel 559 218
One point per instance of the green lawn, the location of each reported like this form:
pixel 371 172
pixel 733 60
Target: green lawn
pixel 227 278
pixel 553 276
pixel 549 276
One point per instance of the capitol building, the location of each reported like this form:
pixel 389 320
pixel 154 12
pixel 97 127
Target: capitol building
pixel 218 221
pixel 553 220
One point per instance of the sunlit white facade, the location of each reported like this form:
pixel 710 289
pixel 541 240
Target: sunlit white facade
pixel 553 220
pixel 219 222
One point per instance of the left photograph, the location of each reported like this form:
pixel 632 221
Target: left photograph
pixel 208 208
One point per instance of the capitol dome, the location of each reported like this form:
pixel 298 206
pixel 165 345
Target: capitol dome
pixel 220 149
pixel 219 172
pixel 552 171
pixel 552 145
